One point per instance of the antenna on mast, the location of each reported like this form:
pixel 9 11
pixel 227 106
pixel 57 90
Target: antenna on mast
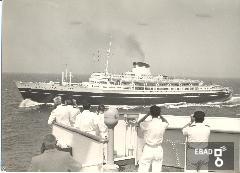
pixel 66 74
pixel 108 54
pixel 98 56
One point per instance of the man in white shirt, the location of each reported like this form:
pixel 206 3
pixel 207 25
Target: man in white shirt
pixel 87 121
pixel 153 132
pixel 64 114
pixel 197 134
pixel 103 130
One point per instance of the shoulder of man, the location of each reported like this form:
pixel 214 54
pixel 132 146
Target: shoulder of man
pixel 64 154
pixel 95 115
pixel 61 154
pixel 144 125
pixel 206 125
pixel 164 124
pixel 36 159
pixel 61 107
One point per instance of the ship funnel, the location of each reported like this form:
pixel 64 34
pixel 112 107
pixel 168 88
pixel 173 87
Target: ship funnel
pixel 141 68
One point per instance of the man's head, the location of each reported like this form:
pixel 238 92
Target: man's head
pixel 57 100
pixel 74 102
pixel 49 141
pixel 86 106
pixel 199 116
pixel 101 108
pixel 155 111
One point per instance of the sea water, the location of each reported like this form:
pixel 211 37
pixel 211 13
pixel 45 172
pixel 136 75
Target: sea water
pixel 24 128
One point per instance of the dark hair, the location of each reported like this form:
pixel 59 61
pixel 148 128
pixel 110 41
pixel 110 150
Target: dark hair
pixel 199 116
pixel 69 102
pixel 86 106
pixel 155 111
pixel 49 142
pixel 101 107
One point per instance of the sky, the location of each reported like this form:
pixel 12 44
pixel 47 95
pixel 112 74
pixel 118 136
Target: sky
pixel 198 38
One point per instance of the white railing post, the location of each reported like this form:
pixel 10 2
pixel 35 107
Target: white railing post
pixel 111 119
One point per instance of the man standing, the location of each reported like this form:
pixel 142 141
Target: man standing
pixel 197 134
pixel 87 121
pixel 64 114
pixel 153 132
pixel 103 130
pixel 52 160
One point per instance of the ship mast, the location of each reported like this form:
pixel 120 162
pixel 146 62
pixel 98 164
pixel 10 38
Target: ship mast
pixel 108 54
pixel 66 74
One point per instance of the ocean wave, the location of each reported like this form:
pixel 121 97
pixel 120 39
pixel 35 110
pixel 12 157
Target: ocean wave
pixel 180 105
pixel 28 103
pixel 233 102
pixel 177 106
pixel 231 105
pixel 125 107
pixel 234 99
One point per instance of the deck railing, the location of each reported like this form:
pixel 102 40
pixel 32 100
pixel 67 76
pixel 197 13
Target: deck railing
pixel 129 145
pixel 88 149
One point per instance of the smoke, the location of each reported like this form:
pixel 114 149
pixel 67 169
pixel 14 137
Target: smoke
pixel 124 45
pixel 134 48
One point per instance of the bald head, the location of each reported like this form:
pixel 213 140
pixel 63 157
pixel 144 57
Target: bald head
pixel 49 141
pixel 57 100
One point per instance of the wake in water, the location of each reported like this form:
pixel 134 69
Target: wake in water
pixel 233 102
pixel 29 104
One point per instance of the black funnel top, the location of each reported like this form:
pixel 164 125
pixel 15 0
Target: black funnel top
pixel 141 64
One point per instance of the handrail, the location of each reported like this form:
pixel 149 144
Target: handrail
pixel 228 131
pixel 93 137
pixel 212 130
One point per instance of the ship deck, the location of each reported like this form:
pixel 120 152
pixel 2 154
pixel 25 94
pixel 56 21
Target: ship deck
pixel 128 145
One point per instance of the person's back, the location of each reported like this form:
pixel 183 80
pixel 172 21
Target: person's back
pixel 103 130
pixel 64 114
pixel 61 115
pixel 53 161
pixel 153 131
pixel 197 132
pixel 72 113
pixel 87 121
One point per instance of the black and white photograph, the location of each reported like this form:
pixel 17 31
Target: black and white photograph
pixel 120 86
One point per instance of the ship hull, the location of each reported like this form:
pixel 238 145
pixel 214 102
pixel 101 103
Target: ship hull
pixel 111 98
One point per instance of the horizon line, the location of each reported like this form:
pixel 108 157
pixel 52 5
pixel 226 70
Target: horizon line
pixel 88 74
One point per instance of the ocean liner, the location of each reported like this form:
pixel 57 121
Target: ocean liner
pixel 135 87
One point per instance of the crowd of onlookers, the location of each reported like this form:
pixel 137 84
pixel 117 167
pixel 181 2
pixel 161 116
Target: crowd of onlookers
pixel 69 114
pixel 90 122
